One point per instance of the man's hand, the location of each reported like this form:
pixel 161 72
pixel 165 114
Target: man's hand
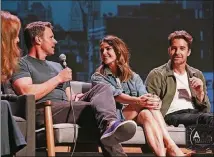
pixel 65 75
pixel 197 86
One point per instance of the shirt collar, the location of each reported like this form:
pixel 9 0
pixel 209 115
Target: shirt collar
pixel 169 69
pixel 107 71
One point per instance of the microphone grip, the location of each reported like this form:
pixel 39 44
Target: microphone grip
pixel 64 64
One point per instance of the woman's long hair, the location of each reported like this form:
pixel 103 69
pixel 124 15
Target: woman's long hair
pixel 10 52
pixel 121 50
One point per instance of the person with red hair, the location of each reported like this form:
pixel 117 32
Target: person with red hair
pixel 12 139
pixel 10 52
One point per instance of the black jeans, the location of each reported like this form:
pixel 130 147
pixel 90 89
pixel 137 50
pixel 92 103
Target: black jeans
pixel 189 117
pixel 96 108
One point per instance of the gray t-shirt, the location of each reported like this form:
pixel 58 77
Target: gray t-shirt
pixel 41 71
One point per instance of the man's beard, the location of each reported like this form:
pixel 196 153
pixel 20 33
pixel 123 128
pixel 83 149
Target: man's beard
pixel 179 61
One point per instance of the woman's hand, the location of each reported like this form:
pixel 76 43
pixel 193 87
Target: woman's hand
pixel 77 97
pixel 150 101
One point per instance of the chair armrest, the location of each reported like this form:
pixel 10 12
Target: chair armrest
pixel 9 97
pixel 30 116
pixel 22 106
pixel 80 87
pixel 29 106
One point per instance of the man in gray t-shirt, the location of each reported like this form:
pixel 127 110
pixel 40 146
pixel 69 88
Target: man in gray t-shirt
pixel 41 71
pixel 49 81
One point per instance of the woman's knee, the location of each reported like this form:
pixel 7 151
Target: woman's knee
pixel 145 115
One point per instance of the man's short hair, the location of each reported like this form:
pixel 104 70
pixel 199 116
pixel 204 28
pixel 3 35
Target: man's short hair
pixel 35 29
pixel 181 35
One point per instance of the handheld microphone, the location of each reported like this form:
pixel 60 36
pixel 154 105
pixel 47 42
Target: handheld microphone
pixel 62 58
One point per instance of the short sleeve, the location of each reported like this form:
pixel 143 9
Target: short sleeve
pixel 23 71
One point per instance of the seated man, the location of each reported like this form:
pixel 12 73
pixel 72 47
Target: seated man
pixel 181 87
pixel 49 81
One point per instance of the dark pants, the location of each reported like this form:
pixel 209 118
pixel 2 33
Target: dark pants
pixel 96 108
pixel 189 117
pixel 12 139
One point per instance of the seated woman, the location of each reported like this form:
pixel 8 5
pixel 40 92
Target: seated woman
pixel 12 139
pixel 129 90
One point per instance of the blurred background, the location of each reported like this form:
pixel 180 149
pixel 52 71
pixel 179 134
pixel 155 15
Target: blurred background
pixel 144 25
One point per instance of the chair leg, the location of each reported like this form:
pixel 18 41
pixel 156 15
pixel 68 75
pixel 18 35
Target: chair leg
pixel 49 129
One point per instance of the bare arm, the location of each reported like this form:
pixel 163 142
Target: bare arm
pixel 148 100
pixel 25 85
pixel 127 99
